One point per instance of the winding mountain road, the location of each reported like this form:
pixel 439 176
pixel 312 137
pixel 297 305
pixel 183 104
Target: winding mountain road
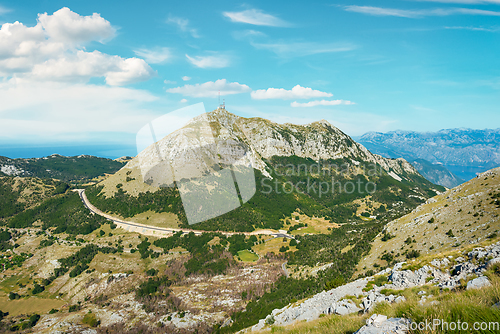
pixel 164 231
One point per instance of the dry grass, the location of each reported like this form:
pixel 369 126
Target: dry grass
pixel 314 224
pixel 272 246
pixel 455 210
pixel 29 305
pixel 333 324
pixel 467 306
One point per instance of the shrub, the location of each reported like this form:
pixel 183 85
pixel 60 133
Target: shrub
pixel 270 320
pixel 13 295
pixel 37 289
pixel 412 254
pixel 284 249
pixel 151 272
pixel 386 236
pixel 91 320
pixel 387 257
pixel 336 282
pixel 74 308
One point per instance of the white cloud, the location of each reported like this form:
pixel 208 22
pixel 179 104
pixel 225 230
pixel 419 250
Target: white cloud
pixel 49 51
pixel 183 25
pixel 210 61
pixel 470 2
pixel 69 27
pixel 320 103
pixel 68 112
pixel 247 34
pixel 255 17
pixel 155 56
pixel 296 92
pixel 211 89
pixel 492 29
pixel 186 78
pixel 183 101
pixel 417 13
pixel 378 11
pixel 169 82
pixel 85 65
pixel 4 10
pixel 300 49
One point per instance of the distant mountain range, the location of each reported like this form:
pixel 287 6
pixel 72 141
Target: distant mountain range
pixel 463 152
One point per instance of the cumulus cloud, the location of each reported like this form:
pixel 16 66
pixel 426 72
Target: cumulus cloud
pixel 209 61
pixel 320 103
pixel 69 27
pixel 155 56
pixel 186 78
pixel 417 13
pixel 183 25
pixel 183 101
pixel 82 66
pixel 297 92
pixel 255 17
pixel 51 50
pixel 211 89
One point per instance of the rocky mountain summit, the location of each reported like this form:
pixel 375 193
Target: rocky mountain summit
pixel 220 137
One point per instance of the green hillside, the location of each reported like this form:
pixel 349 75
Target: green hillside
pixel 59 167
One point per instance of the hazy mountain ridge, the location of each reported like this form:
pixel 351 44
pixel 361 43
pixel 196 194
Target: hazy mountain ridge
pixel 436 173
pixel 456 149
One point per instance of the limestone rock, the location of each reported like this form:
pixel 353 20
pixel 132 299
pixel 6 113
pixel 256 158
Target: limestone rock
pixel 478 283
pixel 379 324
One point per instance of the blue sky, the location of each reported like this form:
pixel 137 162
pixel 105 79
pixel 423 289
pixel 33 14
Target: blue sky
pixel 91 74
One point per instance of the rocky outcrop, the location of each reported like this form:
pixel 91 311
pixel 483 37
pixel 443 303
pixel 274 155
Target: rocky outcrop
pixel 326 302
pixel 478 283
pixel 379 324
pixel 440 272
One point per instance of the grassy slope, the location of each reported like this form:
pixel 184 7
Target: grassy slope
pixel 466 210
pixel 270 204
pixel 17 193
